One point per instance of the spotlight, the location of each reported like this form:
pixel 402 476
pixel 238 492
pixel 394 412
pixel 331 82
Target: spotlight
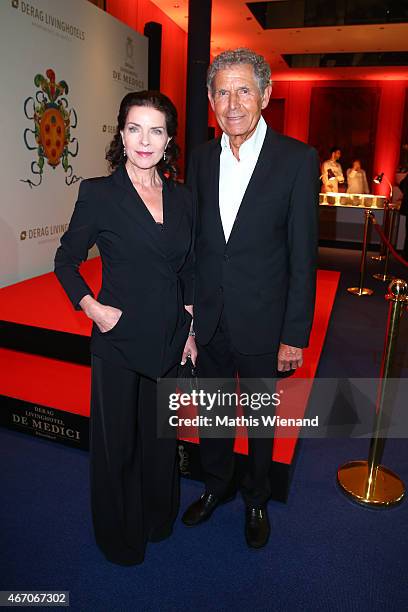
pixel 379 179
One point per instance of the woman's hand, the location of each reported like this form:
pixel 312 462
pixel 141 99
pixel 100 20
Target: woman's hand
pixel 108 318
pixel 105 317
pixel 190 350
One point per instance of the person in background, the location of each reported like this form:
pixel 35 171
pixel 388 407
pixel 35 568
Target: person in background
pixel 356 178
pixel 332 173
pixel 404 211
pixel 141 220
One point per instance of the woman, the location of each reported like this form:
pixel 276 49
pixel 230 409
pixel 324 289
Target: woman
pixel 141 222
pixel 356 178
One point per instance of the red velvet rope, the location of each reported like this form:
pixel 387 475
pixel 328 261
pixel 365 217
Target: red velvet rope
pixel 384 238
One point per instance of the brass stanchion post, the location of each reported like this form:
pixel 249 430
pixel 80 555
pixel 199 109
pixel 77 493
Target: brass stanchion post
pixel 361 290
pixel 385 277
pixel 368 482
pixel 386 220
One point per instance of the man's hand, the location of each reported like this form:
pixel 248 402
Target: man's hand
pixel 190 349
pixel 289 357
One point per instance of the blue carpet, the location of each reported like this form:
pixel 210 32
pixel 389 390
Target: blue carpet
pixel 325 552
pixel 355 337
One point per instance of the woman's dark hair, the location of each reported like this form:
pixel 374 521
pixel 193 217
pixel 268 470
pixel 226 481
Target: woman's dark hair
pixel 154 99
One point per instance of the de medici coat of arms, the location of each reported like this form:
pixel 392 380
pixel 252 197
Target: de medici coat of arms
pixel 53 122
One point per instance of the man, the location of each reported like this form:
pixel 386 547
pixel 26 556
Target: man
pixel 256 244
pixel 332 173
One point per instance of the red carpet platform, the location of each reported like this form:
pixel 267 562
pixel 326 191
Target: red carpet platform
pixel 45 382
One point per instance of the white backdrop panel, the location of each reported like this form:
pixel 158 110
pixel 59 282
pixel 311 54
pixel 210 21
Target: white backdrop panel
pixel 98 59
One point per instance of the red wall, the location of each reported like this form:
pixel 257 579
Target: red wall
pixel 389 120
pixel 297 105
pixel 296 94
pixel 135 13
pixel 389 131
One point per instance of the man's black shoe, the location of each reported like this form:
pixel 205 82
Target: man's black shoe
pixel 202 509
pixel 257 527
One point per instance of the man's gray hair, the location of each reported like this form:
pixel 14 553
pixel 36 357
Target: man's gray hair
pixel 229 58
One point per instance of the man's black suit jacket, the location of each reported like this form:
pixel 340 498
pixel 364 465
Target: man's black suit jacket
pixel 146 272
pixel 265 275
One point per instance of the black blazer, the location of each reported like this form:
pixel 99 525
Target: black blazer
pixel 265 275
pixel 146 271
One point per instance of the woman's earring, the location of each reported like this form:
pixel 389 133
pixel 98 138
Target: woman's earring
pixel 164 155
pixel 124 151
